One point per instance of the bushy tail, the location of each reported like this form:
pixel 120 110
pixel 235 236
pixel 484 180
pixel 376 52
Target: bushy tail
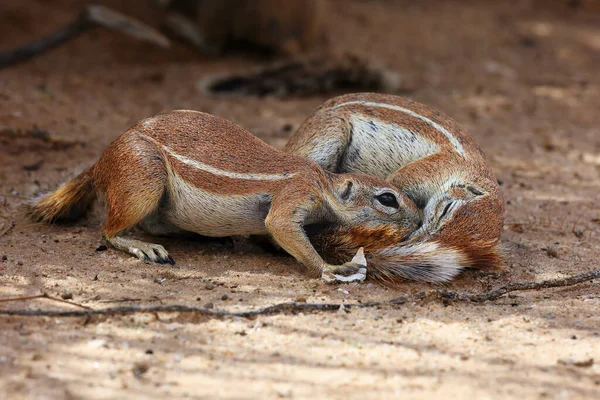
pixel 67 203
pixel 423 261
pixel 391 261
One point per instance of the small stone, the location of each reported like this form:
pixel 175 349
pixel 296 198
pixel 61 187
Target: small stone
pixel 149 351
pixel 198 298
pixel 552 252
pixel 101 248
pixel 4 258
pixel 209 286
pixel 19 262
pixel 159 280
pixel 139 369
pixel 300 300
pixel 209 305
pixel 224 297
pixel 66 295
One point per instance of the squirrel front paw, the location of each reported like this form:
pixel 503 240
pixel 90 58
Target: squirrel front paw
pixel 352 271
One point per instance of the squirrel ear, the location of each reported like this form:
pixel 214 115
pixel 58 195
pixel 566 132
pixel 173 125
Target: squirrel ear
pixel 347 190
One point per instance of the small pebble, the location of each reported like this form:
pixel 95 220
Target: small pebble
pixel 552 252
pixel 140 369
pixel 224 297
pixel 101 248
pixel 300 300
pixel 209 286
pixel 66 295
pixel 4 258
pixel 149 351
pixel 209 305
pixel 19 262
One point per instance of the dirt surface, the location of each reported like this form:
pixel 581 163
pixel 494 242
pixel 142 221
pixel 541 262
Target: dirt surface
pixel 521 76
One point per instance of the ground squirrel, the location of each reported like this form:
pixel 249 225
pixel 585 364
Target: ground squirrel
pixel 425 155
pixel 190 171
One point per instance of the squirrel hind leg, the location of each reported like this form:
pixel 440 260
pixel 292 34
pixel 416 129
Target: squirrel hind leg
pixel 132 196
pixel 131 209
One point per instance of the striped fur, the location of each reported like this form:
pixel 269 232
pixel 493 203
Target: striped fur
pixel 429 157
pixel 190 171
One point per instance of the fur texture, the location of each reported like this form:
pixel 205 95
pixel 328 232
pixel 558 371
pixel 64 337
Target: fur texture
pixel 427 156
pixel 191 171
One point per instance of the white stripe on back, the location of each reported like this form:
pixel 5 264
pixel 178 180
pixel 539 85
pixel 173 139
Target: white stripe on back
pixel 457 146
pixel 220 172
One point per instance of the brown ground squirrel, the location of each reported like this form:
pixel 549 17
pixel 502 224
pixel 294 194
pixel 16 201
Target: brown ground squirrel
pixel 427 156
pixel 191 171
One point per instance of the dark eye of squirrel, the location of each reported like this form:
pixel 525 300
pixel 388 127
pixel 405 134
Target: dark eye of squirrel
pixel 388 200
pixel 446 209
pixel 347 191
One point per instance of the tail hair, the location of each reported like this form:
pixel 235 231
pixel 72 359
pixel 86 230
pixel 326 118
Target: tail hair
pixel 390 261
pixel 424 261
pixel 69 202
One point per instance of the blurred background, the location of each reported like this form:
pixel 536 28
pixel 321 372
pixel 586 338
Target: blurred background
pixel 521 76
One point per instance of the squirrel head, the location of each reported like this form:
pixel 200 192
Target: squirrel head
pixel 467 216
pixel 366 200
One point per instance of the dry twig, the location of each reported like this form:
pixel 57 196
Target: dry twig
pixel 294 308
pixel 42 296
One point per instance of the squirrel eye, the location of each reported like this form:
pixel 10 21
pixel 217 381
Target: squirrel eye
pixel 346 193
pixel 388 200
pixel 475 191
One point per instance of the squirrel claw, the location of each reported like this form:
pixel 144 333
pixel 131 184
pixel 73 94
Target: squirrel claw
pixel 151 253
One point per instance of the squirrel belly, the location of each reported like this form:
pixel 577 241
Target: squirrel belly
pixel 431 159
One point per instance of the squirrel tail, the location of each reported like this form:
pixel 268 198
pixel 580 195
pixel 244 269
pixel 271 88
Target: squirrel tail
pixel 67 203
pixel 429 261
pixel 391 262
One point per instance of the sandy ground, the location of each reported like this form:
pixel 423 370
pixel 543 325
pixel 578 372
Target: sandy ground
pixel 521 76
